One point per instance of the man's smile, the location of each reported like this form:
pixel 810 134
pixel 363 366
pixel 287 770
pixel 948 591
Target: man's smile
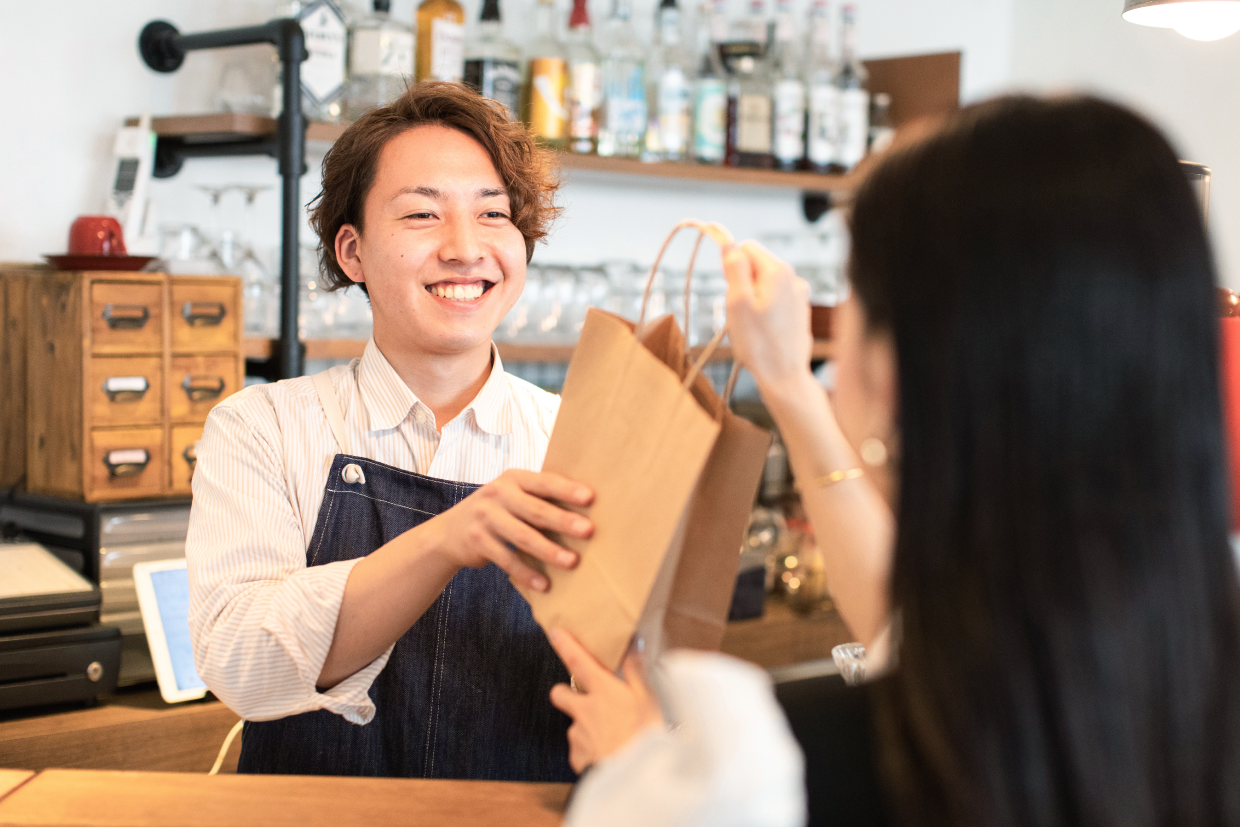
pixel 460 291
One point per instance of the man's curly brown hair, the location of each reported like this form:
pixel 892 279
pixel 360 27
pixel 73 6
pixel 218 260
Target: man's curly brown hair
pixel 529 171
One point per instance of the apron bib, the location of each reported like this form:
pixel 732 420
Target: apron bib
pixel 464 694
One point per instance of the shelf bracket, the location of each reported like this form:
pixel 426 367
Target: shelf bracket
pixel 163 49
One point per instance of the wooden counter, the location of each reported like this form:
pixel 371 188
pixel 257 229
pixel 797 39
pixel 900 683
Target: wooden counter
pixel 67 798
pixel 136 730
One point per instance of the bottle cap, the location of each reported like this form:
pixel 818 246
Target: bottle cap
pixel 580 15
pixel 383 6
pixel 490 11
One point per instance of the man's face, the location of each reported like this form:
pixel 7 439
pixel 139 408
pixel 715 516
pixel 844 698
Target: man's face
pixel 439 254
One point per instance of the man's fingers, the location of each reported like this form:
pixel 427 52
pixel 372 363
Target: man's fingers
pixel 520 535
pixel 499 554
pixel 550 486
pixel 566 700
pixel 542 514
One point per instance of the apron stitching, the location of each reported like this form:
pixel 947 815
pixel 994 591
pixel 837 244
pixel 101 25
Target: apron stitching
pixel 453 483
pixel 380 500
pixel 432 729
pixel 314 547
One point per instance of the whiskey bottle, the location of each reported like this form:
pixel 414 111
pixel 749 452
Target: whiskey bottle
pixel 788 93
pixel 851 81
pixel 380 61
pixel 710 91
pixel 822 123
pixel 441 41
pixel 546 79
pixel 749 109
pixel 670 129
pixel 584 95
pixel 622 126
pixel 493 63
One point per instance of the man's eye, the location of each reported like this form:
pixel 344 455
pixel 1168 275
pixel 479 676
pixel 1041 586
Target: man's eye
pixel 420 215
pixel 494 214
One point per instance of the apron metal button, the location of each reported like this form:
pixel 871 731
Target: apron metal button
pixel 352 474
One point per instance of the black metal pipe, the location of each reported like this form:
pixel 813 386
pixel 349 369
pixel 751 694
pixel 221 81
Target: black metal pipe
pixel 163 48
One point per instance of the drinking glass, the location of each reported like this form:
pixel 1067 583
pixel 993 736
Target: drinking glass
pixel 850 660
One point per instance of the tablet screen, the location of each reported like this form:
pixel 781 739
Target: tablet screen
pixel 163 594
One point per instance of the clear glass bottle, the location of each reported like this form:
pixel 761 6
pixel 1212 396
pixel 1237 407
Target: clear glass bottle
pixel 546 80
pixel 852 82
pixel 622 126
pixel 493 63
pixel 754 27
pixel 749 113
pixel 788 92
pixel 668 90
pixel 882 131
pixel 380 58
pixel 822 123
pixel 323 75
pixel 584 95
pixel 441 41
pixel 710 90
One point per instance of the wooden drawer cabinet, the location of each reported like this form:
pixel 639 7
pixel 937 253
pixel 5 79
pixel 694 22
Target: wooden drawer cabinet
pixel 183 457
pixel 206 314
pixel 197 383
pixel 13 284
pixel 122 370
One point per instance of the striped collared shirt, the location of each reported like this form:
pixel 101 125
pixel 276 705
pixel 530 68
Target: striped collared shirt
pixel 261 620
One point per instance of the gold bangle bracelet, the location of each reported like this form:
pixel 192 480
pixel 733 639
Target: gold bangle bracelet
pixel 838 476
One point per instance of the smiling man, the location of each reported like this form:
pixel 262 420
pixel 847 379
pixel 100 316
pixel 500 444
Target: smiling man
pixel 353 533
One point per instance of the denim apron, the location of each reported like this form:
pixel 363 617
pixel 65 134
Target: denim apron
pixel 464 694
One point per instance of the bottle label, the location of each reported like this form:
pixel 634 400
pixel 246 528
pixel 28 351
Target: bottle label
pixel 673 111
pixel 499 80
pixel 822 138
pixel 854 125
pixel 322 73
pixel 789 102
pixel 548 77
pixel 381 52
pixel 710 111
pixel 625 101
pixel 447 49
pixel 584 92
pixel 753 128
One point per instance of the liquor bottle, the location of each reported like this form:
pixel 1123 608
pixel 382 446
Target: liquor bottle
pixel 822 123
pixel 493 63
pixel 545 81
pixel 584 95
pixel 622 126
pixel 882 132
pixel 323 71
pixel 788 93
pixel 754 27
pixel 851 80
pixel 670 129
pixel 710 91
pixel 380 57
pixel 749 110
pixel 441 41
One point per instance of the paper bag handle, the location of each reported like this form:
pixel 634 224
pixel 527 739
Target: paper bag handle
pixel 717 232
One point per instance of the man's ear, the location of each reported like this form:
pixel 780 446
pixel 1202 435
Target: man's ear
pixel 348 253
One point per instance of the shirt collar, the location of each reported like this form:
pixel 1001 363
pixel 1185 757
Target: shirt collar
pixel 388 400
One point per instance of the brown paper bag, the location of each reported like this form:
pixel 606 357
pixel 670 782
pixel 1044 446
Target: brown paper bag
pixel 639 425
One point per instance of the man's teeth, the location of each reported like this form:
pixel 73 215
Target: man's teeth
pixel 457 292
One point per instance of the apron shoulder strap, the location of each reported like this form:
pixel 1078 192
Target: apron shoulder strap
pixel 331 407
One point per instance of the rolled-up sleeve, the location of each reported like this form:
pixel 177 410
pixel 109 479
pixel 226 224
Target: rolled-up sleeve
pixel 261 620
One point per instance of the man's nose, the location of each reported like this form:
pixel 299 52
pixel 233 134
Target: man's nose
pixel 460 242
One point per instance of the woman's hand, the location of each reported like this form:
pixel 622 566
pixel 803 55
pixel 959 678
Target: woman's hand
pixel 606 711
pixel 768 315
pixel 511 512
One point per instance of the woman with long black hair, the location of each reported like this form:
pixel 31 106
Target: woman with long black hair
pixel 1028 376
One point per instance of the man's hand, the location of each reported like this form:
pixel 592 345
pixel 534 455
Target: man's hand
pixel 606 711
pixel 508 513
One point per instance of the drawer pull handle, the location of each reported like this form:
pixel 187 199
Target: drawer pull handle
pixel 202 388
pixel 125 389
pixel 190 455
pixel 126 316
pixel 126 462
pixel 203 314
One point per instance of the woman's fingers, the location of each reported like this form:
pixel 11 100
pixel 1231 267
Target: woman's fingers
pixel 738 270
pixel 587 672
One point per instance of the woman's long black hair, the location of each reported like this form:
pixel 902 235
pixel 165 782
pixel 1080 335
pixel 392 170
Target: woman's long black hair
pixel 1069 603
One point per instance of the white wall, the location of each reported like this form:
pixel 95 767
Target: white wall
pixel 72 73
pixel 1188 88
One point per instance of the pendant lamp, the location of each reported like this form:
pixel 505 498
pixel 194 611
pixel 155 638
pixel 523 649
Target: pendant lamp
pixel 1198 19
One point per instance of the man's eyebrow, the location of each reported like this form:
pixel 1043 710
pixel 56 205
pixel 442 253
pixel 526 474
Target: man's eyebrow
pixel 491 192
pixel 429 192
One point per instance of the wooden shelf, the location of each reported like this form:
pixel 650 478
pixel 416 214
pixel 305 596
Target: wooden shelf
pixel 513 353
pixel 224 126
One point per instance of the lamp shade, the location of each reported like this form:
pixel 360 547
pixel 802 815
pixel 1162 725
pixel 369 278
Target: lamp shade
pixel 1198 19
